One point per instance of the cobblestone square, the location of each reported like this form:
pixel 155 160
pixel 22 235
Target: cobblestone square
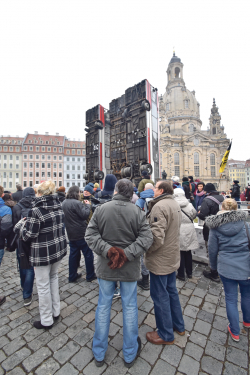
pixel 66 348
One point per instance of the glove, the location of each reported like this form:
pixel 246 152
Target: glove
pixel 122 257
pixel 113 255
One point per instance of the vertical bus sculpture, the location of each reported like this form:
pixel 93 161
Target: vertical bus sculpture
pixel 125 139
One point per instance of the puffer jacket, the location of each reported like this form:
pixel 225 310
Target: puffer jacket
pixel 188 238
pixel 208 208
pixel 164 216
pixel 119 223
pixel 228 244
pixel 44 227
pixel 75 213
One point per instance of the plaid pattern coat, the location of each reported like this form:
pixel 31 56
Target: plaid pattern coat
pixel 44 227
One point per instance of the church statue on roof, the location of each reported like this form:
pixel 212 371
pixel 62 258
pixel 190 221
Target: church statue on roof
pixel 185 148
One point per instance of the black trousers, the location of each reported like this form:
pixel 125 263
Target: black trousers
pixel 186 263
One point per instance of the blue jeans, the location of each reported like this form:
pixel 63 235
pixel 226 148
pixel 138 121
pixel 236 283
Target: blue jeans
pixel 1 255
pixel 26 278
pixel 231 296
pixel 168 314
pixel 130 319
pixel 75 248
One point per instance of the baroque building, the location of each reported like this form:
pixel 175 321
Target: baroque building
pixel 186 149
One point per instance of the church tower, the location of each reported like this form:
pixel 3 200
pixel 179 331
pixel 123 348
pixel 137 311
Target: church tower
pixel 214 121
pixel 175 73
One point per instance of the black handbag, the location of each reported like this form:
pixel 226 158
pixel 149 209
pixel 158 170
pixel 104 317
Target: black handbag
pixel 24 250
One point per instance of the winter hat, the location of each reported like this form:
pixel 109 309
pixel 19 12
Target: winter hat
pixel 149 186
pixel 185 179
pixel 144 173
pixel 179 192
pixel 89 188
pixel 96 185
pixel 61 189
pixel 208 188
pixel 236 181
pixel 110 182
pixel 29 192
pixel 175 178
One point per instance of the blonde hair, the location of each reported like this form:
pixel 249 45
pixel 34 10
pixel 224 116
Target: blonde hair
pixel 229 204
pixel 46 188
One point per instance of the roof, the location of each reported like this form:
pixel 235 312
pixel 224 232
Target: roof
pixel 174 59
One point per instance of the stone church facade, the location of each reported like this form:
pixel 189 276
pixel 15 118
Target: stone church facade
pixel 186 149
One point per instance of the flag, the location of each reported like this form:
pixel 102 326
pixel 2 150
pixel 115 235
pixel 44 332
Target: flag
pixel 225 159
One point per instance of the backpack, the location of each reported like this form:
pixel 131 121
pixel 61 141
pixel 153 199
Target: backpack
pixel 24 210
pixel 216 201
pixel 145 208
pixel 104 198
pixel 6 225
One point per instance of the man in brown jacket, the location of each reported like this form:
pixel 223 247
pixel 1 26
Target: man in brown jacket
pixel 162 260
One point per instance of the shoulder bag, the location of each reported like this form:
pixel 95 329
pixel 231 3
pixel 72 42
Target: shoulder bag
pixel 187 216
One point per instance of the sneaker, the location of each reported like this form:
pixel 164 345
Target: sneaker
pixel 234 337
pixel 99 363
pixel 92 278
pixel 212 275
pixel 246 325
pixel 130 364
pixel 117 293
pixel 27 301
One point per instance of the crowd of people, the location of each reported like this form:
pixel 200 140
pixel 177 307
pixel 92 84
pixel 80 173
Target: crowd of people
pixel 142 237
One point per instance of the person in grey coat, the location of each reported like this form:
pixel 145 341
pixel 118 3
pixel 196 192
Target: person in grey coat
pixel 188 238
pixel 118 233
pixel 228 246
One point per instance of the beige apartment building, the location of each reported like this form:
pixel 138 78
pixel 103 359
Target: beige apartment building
pixel 42 159
pixel 10 162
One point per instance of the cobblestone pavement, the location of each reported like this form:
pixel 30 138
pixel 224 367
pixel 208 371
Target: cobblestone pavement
pixel 66 348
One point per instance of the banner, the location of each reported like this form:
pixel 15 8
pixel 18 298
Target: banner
pixel 225 159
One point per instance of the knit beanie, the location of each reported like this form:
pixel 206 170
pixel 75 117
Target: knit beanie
pixel 208 188
pixel 185 179
pixel 89 188
pixel 29 192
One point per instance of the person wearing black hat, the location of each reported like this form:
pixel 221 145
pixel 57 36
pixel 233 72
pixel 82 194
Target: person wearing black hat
pixel 145 180
pixel 236 191
pixel 210 206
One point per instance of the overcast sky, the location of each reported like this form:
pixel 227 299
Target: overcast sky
pixel 60 58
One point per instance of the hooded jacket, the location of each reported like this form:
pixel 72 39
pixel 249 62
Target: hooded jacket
pixel 143 182
pixel 44 227
pixel 10 203
pixel 149 193
pixel 208 208
pixel 61 196
pixel 119 223
pixel 76 213
pixel 188 238
pixel 163 257
pixel 228 244
pixel 109 186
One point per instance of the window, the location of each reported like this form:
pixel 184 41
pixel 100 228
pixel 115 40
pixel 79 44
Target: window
pixel 196 170
pixel 37 148
pixel 17 157
pixel 78 159
pixel 54 149
pixel 168 107
pixel 67 151
pixel 49 174
pixel 78 176
pixel 31 148
pixel 43 149
pixel 73 176
pixel 31 174
pixel 37 182
pixel 60 183
pixel 191 128
pixel 49 148
pixel 37 157
pixel 73 168
pixel 67 167
pixel 11 157
pixel 186 103
pixel 83 184
pixel 43 157
pixel 25 148
pixel 17 166
pixel 4 184
pixel 31 165
pixel 25 165
pixel 78 152
pixel 43 165
pixel 196 158
pixel 17 149
pixel 49 157
pixel 73 184
pixel 31 156
pixel 60 166
pixel 214 130
pixel 54 174
pixel 78 167
pixel 43 174
pixel 37 174
pixel 24 183
pixel 5 157
pixel 31 183
pixel 212 165
pixel 17 175
pixel 176 158
pixel 10 174
pixel 79 184
pixel 67 159
pixel 4 174
pixel 60 157
pixel 10 184
pixel 11 165
pixel 212 159
pixel 73 152
pixel 60 174
pixel 49 165
pixel 37 165
pixel 54 157
pixel 5 148
pixel 25 156
pixel 68 177
pixel 67 184
pixel 73 159
pixel 54 165
pixel 73 145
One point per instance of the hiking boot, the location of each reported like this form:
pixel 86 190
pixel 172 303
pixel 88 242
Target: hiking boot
pixel 144 282
pixel 130 364
pixel 212 275
pixel 27 301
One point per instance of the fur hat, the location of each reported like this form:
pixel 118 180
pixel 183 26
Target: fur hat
pixel 185 179
pixel 61 189
pixel 209 188
pixel 175 178
pixel 89 188
pixel 178 192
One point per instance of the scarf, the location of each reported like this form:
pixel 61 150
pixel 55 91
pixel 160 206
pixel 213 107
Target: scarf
pixel 201 193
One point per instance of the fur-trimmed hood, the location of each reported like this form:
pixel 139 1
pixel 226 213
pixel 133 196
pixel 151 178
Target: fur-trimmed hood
pixel 236 218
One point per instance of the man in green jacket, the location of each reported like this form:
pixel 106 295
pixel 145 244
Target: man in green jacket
pixel 145 180
pixel 119 234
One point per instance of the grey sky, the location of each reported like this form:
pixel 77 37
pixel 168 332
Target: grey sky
pixel 60 58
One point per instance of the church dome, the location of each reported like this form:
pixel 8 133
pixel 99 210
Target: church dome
pixel 175 59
